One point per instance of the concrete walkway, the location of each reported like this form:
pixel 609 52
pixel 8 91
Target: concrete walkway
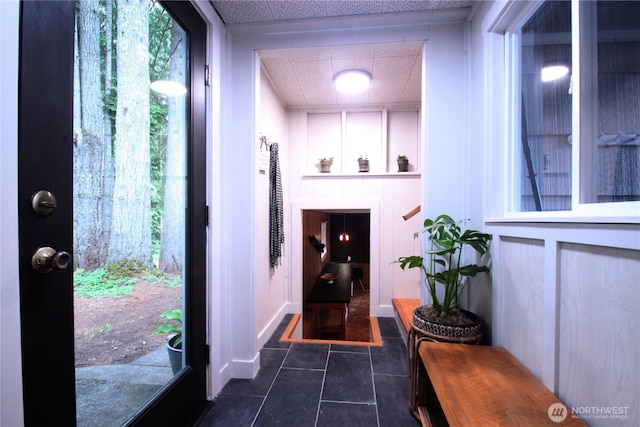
pixel 108 395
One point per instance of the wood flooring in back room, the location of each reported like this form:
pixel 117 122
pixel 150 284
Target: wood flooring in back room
pixel 359 327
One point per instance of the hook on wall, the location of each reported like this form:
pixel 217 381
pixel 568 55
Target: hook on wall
pixel 264 142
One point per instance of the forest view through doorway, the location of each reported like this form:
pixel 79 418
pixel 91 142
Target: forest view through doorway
pixel 336 278
pixel 130 150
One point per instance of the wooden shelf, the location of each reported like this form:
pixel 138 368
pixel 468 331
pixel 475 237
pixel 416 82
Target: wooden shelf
pixel 360 175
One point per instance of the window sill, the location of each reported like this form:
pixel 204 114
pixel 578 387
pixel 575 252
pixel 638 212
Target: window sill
pixel 564 217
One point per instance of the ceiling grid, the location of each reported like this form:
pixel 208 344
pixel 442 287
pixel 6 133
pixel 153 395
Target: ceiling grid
pixel 303 77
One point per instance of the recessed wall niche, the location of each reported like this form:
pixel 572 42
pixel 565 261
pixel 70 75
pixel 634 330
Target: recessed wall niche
pixel 381 135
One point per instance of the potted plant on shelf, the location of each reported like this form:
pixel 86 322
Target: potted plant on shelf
pixel 363 163
pixel 325 164
pixel 403 163
pixel 174 341
pixel 443 319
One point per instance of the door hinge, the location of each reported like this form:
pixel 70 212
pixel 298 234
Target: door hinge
pixel 207 76
pixel 206 215
pixel 207 353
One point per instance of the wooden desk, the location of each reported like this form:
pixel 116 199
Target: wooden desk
pixel 329 303
pixel 468 385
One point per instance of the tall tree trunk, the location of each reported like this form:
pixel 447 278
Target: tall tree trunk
pixel 107 201
pixel 131 225
pixel 172 239
pixel 89 151
pixel 77 130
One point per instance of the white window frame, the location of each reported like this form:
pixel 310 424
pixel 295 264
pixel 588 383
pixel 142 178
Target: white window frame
pixel 582 160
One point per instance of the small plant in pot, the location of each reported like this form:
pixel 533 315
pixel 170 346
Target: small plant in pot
pixel 363 163
pixel 403 163
pixel 174 341
pixel 443 319
pixel 325 164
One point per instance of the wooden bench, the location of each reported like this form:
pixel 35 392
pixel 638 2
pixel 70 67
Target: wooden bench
pixel 403 308
pixel 470 385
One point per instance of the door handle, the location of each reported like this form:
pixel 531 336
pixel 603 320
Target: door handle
pixel 46 259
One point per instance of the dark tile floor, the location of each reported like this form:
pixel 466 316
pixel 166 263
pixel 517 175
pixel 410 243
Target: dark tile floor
pixel 320 385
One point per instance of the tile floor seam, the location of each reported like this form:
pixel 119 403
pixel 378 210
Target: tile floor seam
pixel 391 375
pixel 333 407
pixel 301 369
pixel 373 383
pixel 324 377
pixel 266 395
pixel 347 402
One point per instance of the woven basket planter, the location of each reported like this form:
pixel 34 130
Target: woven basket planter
pixel 440 330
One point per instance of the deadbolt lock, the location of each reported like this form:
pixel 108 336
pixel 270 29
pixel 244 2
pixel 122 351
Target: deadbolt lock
pixel 43 202
pixel 46 259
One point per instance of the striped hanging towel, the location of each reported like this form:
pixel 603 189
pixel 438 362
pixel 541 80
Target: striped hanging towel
pixel 276 210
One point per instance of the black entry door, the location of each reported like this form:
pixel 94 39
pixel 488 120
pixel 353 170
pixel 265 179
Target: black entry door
pixel 47 141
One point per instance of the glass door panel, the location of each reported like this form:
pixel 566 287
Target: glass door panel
pixel 130 206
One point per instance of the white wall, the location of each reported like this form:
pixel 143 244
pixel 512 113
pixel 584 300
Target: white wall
pixel 271 291
pixel 245 272
pixel 10 355
pixel 387 197
pixel 564 291
pixel 453 154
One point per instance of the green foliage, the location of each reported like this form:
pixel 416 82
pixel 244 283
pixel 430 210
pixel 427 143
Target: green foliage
pixel 117 279
pixel 442 266
pixel 125 269
pixel 172 328
pixel 102 330
pixel 169 280
pixel 98 284
pixel 157 209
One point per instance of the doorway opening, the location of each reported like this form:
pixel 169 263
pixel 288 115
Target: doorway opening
pixel 336 271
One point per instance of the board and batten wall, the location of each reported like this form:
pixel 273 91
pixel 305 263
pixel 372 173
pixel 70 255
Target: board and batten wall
pixel 565 291
pixel 566 305
pixel 385 193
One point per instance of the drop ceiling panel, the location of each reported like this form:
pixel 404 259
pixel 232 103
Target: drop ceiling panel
pixel 251 11
pixel 303 77
pixel 348 8
pixel 287 10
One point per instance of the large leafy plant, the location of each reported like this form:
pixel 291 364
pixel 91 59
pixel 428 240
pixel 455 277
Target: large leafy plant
pixel 175 330
pixel 441 261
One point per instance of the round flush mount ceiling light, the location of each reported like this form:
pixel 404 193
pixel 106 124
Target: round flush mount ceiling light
pixel 169 88
pixel 553 72
pixel 352 81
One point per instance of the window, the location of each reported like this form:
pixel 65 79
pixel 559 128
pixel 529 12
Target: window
pixel 323 240
pixel 576 133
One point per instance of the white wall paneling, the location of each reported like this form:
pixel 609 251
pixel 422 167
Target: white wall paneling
pixel 578 286
pixel 599 344
pixel 363 135
pixel 324 140
pixel 520 287
pixel 403 131
pixel 345 135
